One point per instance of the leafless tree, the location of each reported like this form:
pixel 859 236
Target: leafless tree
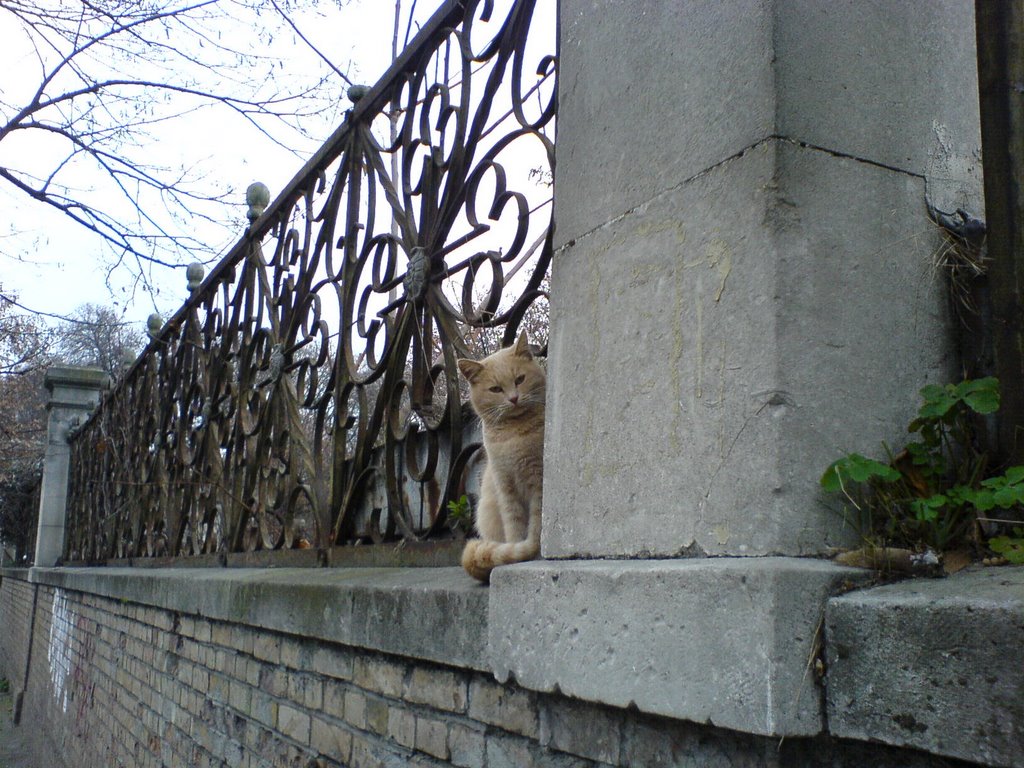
pixel 93 335
pixel 100 77
pixel 24 340
pixel 24 356
pixel 97 336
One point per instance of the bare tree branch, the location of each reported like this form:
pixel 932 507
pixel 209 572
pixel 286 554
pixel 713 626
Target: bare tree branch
pixel 113 71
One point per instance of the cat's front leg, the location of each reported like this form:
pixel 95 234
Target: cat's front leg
pixel 515 517
pixel 488 515
pixel 533 528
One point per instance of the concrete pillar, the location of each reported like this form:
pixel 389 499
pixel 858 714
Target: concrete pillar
pixel 743 285
pixel 742 291
pixel 74 393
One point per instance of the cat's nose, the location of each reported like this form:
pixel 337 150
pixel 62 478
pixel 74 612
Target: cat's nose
pixel 513 398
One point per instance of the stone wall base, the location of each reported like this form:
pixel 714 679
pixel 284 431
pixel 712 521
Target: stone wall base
pixel 390 667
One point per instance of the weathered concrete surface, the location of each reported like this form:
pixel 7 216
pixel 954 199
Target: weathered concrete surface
pixel 406 611
pixel 681 87
pixel 722 641
pixel 890 83
pixel 932 664
pixel 885 82
pixel 716 348
pixel 744 276
pixel 861 324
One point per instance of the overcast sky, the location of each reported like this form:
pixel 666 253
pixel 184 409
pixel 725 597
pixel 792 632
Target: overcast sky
pixel 62 267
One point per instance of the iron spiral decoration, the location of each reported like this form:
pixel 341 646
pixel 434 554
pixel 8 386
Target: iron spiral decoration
pixel 307 393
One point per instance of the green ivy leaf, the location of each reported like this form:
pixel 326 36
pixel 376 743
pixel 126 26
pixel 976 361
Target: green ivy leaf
pixel 1006 490
pixel 980 395
pixel 1008 497
pixel 982 500
pixel 937 402
pixel 920 454
pixel 927 510
pixel 858 469
pixel 1010 547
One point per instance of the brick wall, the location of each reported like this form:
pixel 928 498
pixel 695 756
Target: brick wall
pixel 15 616
pixel 117 682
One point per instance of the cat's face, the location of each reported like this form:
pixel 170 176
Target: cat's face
pixel 507 384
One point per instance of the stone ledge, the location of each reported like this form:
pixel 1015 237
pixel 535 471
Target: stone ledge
pixel 725 641
pixel 934 664
pixel 404 611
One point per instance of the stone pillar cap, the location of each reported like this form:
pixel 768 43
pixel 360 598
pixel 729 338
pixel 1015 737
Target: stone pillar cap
pixel 76 377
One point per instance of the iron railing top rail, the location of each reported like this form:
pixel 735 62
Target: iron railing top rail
pixel 449 14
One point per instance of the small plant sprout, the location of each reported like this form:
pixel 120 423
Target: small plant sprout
pixel 460 514
pixel 932 493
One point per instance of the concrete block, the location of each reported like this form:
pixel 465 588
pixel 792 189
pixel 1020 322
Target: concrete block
pixel 263 709
pixel 295 653
pixel 743 359
pixel 274 681
pixel 722 641
pixel 682 86
pixel 861 324
pixel 401 611
pixel 932 664
pixel 887 82
pixel 377 716
pixel 334 699
pixel 333 662
pixel 267 647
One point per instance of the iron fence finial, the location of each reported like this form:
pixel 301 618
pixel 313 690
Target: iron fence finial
pixel 257 197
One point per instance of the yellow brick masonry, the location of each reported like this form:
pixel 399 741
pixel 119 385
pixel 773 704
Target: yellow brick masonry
pixel 149 687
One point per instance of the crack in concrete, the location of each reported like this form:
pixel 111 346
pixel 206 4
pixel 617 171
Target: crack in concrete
pixel 736 156
pixel 668 190
pixel 848 156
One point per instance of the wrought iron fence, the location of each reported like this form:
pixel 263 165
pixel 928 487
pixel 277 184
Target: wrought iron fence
pixel 306 395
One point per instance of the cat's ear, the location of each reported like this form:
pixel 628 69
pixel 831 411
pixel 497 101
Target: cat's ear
pixel 522 347
pixel 469 368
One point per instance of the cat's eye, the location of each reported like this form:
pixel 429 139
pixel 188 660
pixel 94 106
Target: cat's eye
pixel 495 389
pixel 520 379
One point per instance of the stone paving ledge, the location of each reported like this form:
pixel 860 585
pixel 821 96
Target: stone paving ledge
pixel 405 611
pixel 725 641
pixel 934 664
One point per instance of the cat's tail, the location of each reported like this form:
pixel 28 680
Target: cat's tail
pixel 480 557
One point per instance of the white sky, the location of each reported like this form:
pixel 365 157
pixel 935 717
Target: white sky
pixel 62 264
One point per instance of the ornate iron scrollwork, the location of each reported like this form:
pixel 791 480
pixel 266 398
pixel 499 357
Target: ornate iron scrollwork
pixel 307 394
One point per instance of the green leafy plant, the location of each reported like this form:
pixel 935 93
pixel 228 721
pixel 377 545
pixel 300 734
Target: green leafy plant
pixel 460 514
pixel 5 686
pixel 931 492
pixel 1010 547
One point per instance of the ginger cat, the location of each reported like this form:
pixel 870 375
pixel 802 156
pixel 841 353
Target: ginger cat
pixel 507 393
